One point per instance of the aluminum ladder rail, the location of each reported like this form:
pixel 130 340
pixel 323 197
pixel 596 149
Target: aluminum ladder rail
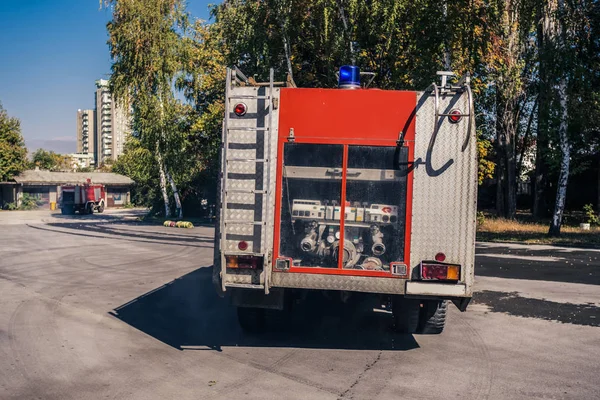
pixel 236 77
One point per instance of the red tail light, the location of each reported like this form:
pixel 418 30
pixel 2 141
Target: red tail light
pixel 243 245
pixel 441 257
pixel 455 116
pixel 439 272
pixel 239 109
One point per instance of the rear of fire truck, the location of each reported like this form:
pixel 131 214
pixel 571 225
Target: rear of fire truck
pixel 357 190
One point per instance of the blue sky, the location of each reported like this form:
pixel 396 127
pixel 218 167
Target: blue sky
pixel 51 52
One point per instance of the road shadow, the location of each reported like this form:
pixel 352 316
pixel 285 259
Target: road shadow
pixel 187 314
pixel 117 230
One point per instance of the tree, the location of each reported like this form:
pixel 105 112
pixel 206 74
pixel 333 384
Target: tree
pixel 145 40
pixel 511 68
pixel 139 163
pixel 569 33
pixel 13 154
pixel 45 159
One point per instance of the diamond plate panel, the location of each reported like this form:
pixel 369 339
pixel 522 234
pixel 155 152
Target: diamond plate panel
pixel 239 229
pixel 444 187
pixel 239 215
pixel 241 167
pixel 247 276
pixel 241 153
pixel 251 145
pixel 242 198
pixel 241 136
pixel 232 245
pixel 338 282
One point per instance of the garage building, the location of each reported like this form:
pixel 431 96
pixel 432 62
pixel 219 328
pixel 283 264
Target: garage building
pixel 45 186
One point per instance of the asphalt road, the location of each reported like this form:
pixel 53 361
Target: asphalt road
pixel 97 307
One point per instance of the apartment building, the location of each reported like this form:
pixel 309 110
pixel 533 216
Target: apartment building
pixel 86 131
pixel 112 125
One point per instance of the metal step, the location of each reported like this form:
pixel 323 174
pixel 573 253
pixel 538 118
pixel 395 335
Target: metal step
pixel 243 253
pixel 242 222
pixel 247 129
pixel 245 285
pixel 249 96
pixel 264 160
pixel 249 191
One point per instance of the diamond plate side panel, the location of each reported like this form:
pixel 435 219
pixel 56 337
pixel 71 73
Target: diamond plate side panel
pixel 241 153
pixel 236 136
pixel 241 232
pixel 338 282
pixel 232 246
pixel 239 215
pixel 444 187
pixel 247 276
pixel 270 182
pixel 242 207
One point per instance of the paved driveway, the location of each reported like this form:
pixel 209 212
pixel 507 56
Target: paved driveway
pixel 100 308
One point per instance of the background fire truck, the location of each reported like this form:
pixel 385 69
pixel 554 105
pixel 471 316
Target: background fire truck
pixel 85 198
pixel 357 190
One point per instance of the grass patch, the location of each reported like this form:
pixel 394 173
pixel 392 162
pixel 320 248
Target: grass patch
pixel 503 230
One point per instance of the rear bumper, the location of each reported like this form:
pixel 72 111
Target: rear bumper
pixel 368 285
pixel 338 282
pixel 436 289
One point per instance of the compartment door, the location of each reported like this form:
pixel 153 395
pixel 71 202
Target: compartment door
pixel 311 204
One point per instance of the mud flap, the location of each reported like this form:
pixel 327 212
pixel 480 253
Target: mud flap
pixel 461 303
pixel 257 298
pixel 216 279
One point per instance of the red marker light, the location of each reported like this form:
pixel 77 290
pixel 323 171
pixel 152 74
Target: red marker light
pixel 441 257
pixel 240 109
pixel 243 245
pixel 455 116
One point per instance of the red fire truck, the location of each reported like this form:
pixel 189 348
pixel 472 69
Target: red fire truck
pixel 357 190
pixel 85 198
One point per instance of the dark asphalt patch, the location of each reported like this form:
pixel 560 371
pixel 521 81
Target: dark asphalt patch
pixel 574 268
pixel 513 304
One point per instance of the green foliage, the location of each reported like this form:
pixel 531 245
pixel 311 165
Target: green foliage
pixel 50 160
pixel 138 163
pixel 590 215
pixel 29 202
pixel 480 218
pixel 13 154
pixel 486 166
pixel 158 51
pixel 85 169
pixel 11 206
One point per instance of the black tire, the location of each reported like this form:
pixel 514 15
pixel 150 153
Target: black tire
pixel 406 314
pixel 433 317
pixel 89 209
pixel 251 320
pixel 101 208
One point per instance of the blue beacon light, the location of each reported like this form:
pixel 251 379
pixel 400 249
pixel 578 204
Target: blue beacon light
pixel 349 77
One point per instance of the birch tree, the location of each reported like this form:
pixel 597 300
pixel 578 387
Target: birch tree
pixel 558 37
pixel 145 44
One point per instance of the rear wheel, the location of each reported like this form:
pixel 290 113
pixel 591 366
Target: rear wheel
pixel 433 317
pixel 90 208
pixel 101 208
pixel 251 319
pixel 406 314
